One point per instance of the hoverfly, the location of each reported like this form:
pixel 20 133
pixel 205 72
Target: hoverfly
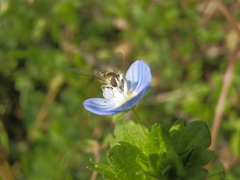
pixel 108 79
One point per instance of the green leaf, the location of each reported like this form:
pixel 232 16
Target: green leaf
pixel 106 170
pixel 186 155
pixel 200 157
pixel 177 128
pixel 154 176
pixel 155 156
pixel 158 140
pixel 170 165
pixel 143 161
pixel 196 134
pixel 93 168
pixel 123 157
pixel 106 174
pixel 118 116
pixel 195 173
pixel 175 132
pixel 178 165
pixel 99 165
pixel 154 160
pixel 128 131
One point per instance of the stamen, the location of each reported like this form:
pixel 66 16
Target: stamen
pixel 129 92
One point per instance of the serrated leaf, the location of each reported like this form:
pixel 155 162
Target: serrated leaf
pixel 118 116
pixel 93 168
pixel 196 134
pixel 106 170
pixel 128 131
pixel 106 174
pixel 109 176
pixel 158 140
pixel 123 157
pixel 153 156
pixel 99 165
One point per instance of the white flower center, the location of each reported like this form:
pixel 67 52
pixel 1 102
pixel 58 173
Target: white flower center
pixel 119 94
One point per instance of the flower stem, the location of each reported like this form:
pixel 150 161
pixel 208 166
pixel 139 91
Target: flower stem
pixel 139 121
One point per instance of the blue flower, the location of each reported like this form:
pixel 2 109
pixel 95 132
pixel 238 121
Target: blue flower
pixel 116 99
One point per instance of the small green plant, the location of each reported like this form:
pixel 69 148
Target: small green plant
pixel 156 153
pixel 175 154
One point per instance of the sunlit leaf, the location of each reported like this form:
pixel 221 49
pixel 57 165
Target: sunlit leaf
pixel 123 157
pixel 128 131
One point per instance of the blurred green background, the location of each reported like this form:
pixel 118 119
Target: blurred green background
pixel 186 43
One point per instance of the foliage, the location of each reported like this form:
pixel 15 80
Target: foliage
pixel 162 154
pixel 187 44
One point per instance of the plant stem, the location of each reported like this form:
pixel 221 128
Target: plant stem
pixel 139 121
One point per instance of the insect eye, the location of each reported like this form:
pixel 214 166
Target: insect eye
pixel 113 82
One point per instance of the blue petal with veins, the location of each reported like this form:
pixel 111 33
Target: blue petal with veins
pixel 136 82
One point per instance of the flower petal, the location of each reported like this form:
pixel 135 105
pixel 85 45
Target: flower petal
pixel 132 102
pixel 117 99
pixel 100 106
pixel 137 75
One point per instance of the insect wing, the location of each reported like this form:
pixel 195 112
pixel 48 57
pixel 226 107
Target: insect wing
pixel 116 62
pixel 84 72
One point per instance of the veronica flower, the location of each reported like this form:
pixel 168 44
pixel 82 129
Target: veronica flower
pixel 119 99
